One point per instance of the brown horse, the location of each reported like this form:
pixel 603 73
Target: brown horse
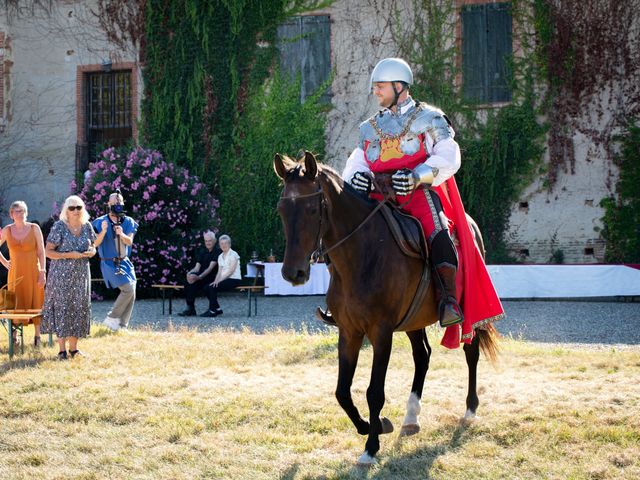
pixel 372 286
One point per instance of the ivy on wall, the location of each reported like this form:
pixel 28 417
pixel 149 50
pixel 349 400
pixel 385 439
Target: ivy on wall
pixel 213 102
pixel 622 212
pixel 585 51
pixel 499 154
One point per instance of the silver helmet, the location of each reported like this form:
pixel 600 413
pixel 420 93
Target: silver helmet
pixel 392 70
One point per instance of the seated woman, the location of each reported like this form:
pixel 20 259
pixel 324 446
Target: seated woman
pixel 227 278
pixel 27 266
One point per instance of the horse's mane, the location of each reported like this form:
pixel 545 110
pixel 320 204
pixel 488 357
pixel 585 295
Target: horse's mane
pixel 334 179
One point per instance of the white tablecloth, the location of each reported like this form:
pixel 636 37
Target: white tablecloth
pixel 276 285
pixel 564 281
pixel 511 281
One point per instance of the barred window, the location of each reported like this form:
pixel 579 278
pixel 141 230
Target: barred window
pixel 108 109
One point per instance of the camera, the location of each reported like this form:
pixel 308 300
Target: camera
pixel 117 210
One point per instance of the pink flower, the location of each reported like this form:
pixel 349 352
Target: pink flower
pixel 168 181
pixel 145 195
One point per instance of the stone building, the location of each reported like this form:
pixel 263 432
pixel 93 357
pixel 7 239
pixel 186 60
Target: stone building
pixel 64 90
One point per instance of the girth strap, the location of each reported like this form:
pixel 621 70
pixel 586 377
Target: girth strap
pixel 418 298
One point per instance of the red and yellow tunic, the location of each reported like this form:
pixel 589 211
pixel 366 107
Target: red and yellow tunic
pixel 475 290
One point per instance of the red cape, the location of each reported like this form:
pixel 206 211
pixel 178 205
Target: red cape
pixel 477 297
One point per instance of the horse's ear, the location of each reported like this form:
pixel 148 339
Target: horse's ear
pixel 278 167
pixel 310 166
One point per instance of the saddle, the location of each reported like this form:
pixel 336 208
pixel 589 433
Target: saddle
pixel 406 229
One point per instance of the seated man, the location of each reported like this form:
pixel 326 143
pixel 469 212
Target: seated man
pixel 202 274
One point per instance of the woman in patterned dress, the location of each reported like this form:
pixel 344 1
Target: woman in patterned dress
pixel 67 301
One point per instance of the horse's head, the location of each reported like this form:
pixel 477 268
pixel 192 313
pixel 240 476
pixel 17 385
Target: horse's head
pixel 300 208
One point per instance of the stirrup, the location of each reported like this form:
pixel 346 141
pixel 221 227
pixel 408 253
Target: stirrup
pixel 325 317
pixel 449 316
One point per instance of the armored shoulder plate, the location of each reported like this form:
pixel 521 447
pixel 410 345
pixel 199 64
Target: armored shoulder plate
pixel 433 121
pixel 367 133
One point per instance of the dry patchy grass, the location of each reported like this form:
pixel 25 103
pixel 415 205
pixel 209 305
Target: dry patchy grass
pixel 187 405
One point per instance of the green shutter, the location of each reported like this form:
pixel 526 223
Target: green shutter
pixel 499 51
pixel 474 53
pixel 305 50
pixel 486 52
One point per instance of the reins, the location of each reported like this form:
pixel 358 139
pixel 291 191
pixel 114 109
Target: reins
pixel 319 251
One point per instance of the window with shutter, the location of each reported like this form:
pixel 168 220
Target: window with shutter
pixel 305 49
pixel 486 51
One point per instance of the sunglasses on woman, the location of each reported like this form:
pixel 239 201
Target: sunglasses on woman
pixel 74 207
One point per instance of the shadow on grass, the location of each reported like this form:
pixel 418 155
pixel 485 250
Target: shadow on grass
pixel 33 357
pixel 21 361
pixel 415 464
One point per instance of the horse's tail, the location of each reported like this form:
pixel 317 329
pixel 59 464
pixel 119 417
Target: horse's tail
pixel 489 337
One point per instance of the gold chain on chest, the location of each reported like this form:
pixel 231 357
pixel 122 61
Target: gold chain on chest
pixel 388 136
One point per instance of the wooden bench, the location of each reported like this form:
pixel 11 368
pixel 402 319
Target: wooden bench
pixel 15 320
pixel 252 289
pixel 172 289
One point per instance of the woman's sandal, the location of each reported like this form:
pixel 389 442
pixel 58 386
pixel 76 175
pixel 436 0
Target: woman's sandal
pixel 62 355
pixel 76 352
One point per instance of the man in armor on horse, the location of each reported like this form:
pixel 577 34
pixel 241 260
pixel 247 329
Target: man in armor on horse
pixel 414 143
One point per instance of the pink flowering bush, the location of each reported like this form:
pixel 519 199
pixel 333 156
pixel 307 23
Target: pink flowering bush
pixel 172 207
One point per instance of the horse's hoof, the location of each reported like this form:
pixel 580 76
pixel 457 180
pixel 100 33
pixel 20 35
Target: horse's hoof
pixel 469 417
pixel 387 426
pixel 366 460
pixel 410 429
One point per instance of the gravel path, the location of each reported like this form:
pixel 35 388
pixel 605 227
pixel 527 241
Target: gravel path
pixel 609 323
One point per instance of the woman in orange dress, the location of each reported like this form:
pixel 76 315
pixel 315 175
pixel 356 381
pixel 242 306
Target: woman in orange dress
pixel 27 267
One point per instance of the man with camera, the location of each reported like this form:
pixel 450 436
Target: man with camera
pixel 115 236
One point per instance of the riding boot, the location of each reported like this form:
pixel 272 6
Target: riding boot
pixel 445 260
pixel 449 312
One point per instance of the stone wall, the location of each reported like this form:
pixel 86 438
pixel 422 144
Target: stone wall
pixel 45 46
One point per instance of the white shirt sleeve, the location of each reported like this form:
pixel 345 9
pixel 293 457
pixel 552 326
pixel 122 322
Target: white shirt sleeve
pixel 355 163
pixel 445 156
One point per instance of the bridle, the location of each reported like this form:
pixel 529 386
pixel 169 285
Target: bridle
pixel 319 250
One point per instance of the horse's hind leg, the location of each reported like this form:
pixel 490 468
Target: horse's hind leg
pixel 421 355
pixel 472 354
pixel 348 350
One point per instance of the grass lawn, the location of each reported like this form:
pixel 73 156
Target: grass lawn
pixel 187 405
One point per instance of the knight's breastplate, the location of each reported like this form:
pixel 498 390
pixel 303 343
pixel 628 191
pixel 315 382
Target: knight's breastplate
pixel 392 145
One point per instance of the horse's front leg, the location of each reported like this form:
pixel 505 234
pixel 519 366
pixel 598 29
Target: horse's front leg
pixel 381 342
pixel 349 344
pixel 421 355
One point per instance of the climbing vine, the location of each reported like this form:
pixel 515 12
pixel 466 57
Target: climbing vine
pixel 588 51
